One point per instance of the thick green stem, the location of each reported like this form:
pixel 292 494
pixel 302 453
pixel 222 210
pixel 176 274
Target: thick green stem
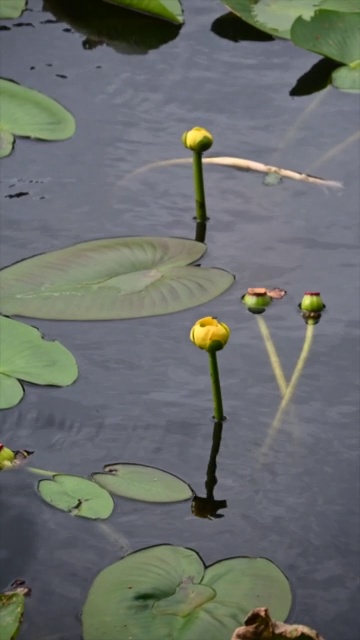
pixel 215 385
pixel 200 204
pixel 41 472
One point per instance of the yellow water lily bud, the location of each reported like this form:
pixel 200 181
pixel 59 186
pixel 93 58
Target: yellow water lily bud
pixel 197 139
pixel 209 334
pixel 6 457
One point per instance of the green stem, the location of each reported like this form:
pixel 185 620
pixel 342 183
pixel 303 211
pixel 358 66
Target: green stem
pixel 200 204
pixel 215 385
pixel 200 233
pixel 41 472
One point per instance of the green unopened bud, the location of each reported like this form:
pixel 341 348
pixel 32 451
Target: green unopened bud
pixel 197 139
pixel 209 334
pixel 7 457
pixel 256 300
pixel 312 301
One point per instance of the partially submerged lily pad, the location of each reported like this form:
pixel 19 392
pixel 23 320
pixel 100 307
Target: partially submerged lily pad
pixel 165 9
pixel 124 31
pixel 25 355
pixel 141 482
pixel 111 279
pixel 167 592
pixel 11 8
pixel 26 112
pixel 76 495
pixel 11 614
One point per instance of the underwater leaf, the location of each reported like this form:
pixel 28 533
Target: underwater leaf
pixel 330 33
pixel 111 279
pixel 141 482
pixel 347 78
pixel 11 391
pixel 26 112
pixel 165 9
pixel 6 143
pixel 11 9
pixel 11 614
pixel 101 23
pixel 76 495
pixel 165 592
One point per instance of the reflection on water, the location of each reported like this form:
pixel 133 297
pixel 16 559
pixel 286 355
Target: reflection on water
pixel 208 507
pixel 105 24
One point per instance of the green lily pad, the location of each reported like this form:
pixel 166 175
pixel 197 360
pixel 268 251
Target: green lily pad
pixel 11 614
pixel 276 17
pixel 165 9
pixel 6 143
pixel 111 279
pixel 11 8
pixel 24 354
pixel 141 482
pixel 347 78
pixel 76 495
pixel 330 33
pixel 167 592
pixel 26 112
pixel 124 31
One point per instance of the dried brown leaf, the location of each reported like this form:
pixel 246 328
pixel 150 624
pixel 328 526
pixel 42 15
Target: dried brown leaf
pixel 259 626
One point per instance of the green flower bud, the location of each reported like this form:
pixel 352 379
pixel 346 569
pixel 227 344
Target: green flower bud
pixel 256 300
pixel 312 301
pixel 197 139
pixel 209 334
pixel 6 457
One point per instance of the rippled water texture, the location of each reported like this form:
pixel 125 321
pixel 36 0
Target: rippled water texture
pixel 143 394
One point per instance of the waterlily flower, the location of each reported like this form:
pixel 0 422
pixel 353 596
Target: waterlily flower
pixel 210 334
pixel 7 457
pixel 312 302
pixel 197 139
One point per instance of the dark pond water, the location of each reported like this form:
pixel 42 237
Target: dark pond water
pixel 143 394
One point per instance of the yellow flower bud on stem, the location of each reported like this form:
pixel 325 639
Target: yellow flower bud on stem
pixel 211 335
pixel 198 140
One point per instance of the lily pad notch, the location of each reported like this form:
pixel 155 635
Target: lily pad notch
pixel 29 113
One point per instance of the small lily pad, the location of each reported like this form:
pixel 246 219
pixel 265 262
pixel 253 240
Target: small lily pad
pixel 25 355
pixel 110 279
pixel 6 143
pixel 167 592
pixel 141 482
pixel 11 614
pixel 26 112
pixel 11 8
pixel 76 495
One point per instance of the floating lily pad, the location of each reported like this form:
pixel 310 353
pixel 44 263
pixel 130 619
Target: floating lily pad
pixel 347 78
pixel 167 592
pixel 11 614
pixel 276 17
pixel 140 482
pixel 330 33
pixel 11 8
pixel 165 9
pixel 25 355
pixel 76 495
pixel 111 279
pixel 124 31
pixel 26 112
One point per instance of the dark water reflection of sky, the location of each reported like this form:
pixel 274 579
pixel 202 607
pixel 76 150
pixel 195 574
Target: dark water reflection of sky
pixel 143 394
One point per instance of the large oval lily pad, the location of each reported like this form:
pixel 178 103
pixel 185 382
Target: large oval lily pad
pixel 111 279
pixel 330 33
pixel 165 9
pixel 141 482
pixel 76 495
pixel 167 592
pixel 24 354
pixel 26 112
pixel 11 614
